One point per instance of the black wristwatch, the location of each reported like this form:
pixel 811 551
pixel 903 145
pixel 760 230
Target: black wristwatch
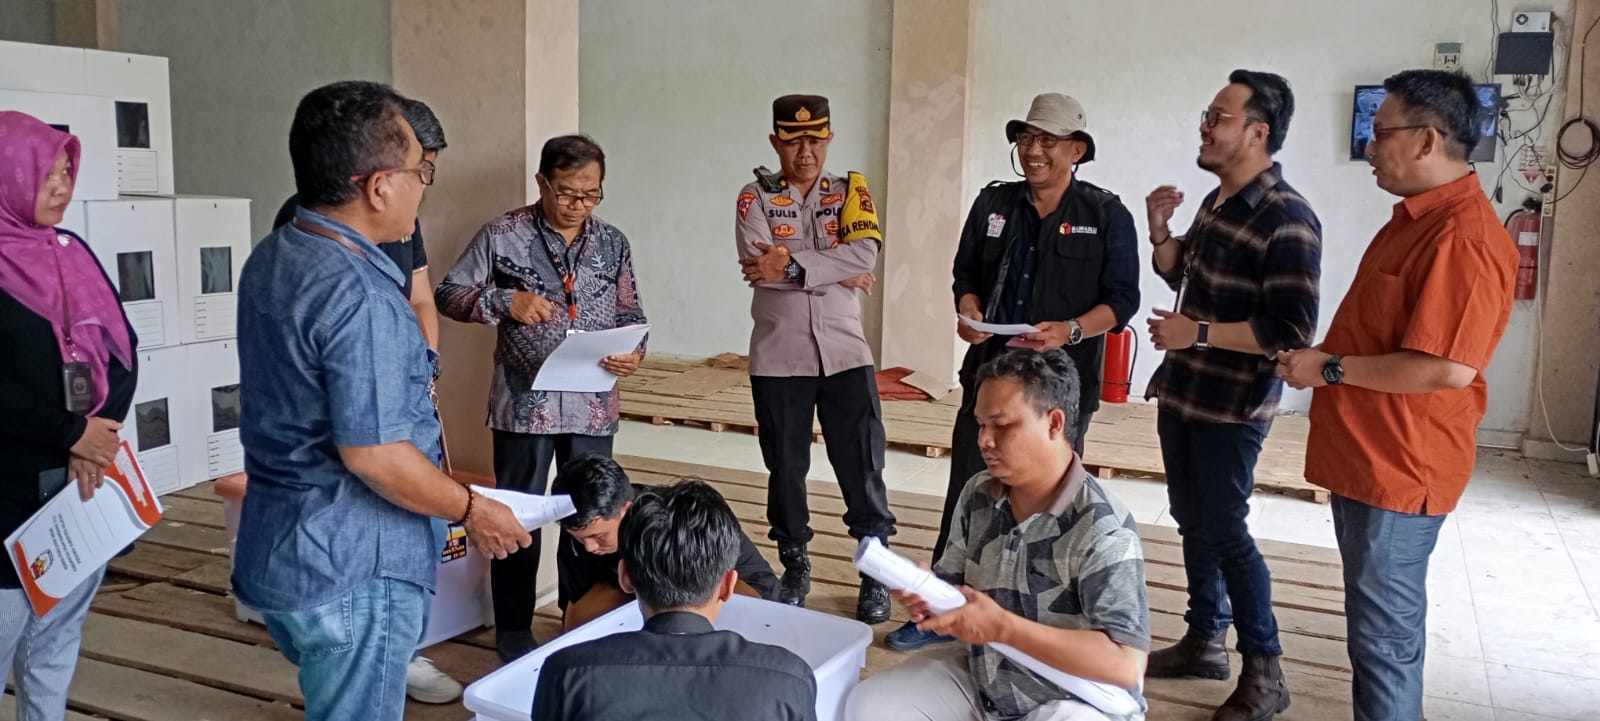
pixel 1333 370
pixel 1076 336
pixel 791 271
pixel 1202 340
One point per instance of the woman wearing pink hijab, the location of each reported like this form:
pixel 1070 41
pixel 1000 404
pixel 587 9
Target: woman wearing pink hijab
pixel 67 374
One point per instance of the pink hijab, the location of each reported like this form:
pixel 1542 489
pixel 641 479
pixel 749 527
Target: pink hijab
pixel 37 262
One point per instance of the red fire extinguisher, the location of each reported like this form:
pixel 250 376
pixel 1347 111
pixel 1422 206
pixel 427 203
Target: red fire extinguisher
pixel 1524 225
pixel 1121 353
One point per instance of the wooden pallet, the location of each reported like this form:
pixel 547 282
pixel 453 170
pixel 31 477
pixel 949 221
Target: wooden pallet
pixel 1121 440
pixel 162 641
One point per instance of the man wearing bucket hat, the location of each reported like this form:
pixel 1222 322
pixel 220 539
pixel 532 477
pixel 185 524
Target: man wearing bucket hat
pixel 1050 250
pixel 807 240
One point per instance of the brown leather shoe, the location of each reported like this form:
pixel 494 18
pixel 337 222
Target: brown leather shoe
pixel 1261 693
pixel 1195 656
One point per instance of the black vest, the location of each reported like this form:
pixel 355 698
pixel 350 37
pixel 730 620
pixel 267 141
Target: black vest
pixel 1066 281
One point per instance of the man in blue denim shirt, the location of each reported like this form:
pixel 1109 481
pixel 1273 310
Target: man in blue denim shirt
pixel 341 442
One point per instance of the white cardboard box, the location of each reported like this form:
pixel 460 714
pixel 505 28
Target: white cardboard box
pixel 209 406
pixel 134 240
pixel 93 120
pixel 41 68
pixel 153 426
pixel 142 96
pixel 213 238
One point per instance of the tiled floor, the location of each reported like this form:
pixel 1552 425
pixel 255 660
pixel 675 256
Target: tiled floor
pixel 1514 629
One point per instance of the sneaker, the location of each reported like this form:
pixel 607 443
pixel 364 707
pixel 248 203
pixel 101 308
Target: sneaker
pixel 427 684
pixel 911 638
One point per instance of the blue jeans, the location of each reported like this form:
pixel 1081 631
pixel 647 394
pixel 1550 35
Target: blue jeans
pixel 42 653
pixel 353 651
pixel 1386 605
pixel 1210 475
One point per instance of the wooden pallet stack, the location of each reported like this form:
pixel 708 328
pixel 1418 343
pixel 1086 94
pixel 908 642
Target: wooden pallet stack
pixel 162 641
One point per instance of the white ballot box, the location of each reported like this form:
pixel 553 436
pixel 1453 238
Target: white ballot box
pixel 93 120
pixel 460 604
pixel 132 237
pixel 208 407
pixel 41 68
pixel 834 647
pixel 213 238
pixel 142 98
pixel 150 427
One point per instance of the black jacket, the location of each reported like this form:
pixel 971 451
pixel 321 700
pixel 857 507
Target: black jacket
pixel 1075 271
pixel 36 430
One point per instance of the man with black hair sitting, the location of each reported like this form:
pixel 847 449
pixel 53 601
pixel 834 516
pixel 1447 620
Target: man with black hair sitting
pixel 587 555
pixel 678 548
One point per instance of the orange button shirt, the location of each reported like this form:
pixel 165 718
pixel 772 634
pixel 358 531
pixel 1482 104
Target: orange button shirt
pixel 1437 279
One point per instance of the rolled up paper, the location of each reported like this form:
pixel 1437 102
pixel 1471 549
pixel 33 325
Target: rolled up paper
pixel 899 573
pixel 532 511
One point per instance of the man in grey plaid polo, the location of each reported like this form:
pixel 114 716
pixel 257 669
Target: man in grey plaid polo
pixel 1050 563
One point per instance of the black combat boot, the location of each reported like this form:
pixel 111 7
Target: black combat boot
pixel 1261 693
pixel 872 605
pixel 1195 655
pixel 796 582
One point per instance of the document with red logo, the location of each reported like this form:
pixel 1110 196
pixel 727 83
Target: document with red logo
pixel 70 539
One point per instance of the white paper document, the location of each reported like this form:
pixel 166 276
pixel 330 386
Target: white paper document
pixel 899 573
pixel 575 364
pixel 996 328
pixel 531 510
pixel 70 538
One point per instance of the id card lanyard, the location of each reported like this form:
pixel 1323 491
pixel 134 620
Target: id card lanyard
pixel 76 378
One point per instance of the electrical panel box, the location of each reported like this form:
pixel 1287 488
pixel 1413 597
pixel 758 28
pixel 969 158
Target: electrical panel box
pixel 1530 22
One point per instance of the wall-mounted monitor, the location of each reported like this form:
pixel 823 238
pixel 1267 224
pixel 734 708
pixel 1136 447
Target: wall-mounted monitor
pixel 1369 97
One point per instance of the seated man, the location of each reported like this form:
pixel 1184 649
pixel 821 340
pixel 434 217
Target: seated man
pixel 678 548
pixel 1074 598
pixel 586 556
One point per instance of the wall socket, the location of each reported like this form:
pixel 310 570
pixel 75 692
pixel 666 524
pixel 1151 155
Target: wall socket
pixel 1447 56
pixel 1547 188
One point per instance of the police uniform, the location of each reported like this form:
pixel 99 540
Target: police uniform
pixel 808 352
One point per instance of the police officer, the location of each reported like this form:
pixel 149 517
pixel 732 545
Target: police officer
pixel 808 240
pixel 1051 251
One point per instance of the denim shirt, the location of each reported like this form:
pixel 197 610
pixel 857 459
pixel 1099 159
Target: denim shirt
pixel 330 355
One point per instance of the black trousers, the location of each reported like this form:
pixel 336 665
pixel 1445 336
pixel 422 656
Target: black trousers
pixel 522 463
pixel 966 461
pixel 846 403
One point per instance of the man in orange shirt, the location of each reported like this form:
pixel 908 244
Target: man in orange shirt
pixel 1399 379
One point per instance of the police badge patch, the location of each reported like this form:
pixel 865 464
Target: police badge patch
pixel 745 201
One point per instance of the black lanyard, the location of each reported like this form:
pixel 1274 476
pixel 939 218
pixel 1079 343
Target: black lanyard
pixel 565 266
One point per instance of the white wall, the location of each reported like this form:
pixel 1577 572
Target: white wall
pixel 1144 71
pixel 680 96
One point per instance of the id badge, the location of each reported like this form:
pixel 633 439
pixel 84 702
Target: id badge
pixel 79 385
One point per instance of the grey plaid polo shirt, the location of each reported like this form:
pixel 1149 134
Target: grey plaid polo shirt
pixel 1078 565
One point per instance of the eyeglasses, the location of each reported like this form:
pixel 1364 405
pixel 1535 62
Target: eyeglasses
pixel 424 173
pixel 1381 133
pixel 569 200
pixel 1210 117
pixel 1045 140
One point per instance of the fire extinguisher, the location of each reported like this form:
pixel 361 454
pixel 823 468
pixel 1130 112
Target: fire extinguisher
pixel 1121 354
pixel 1524 226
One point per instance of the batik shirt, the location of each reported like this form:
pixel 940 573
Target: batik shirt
pixel 520 251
